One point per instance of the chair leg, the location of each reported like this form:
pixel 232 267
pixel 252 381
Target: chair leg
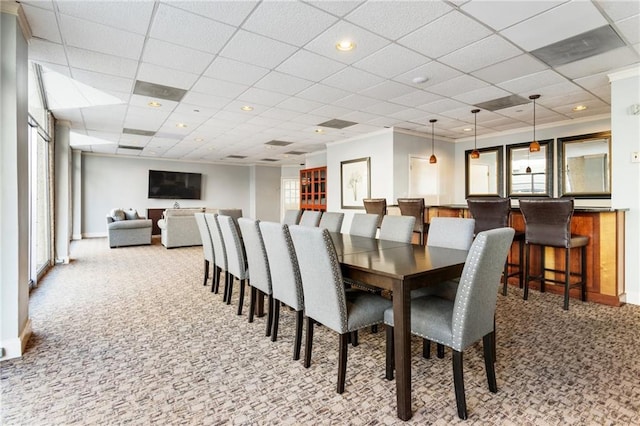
pixel 269 316
pixel 527 250
pixel 389 360
pixel 298 340
pixel 505 277
pixel 353 338
pixel 488 341
pixel 440 350
pixel 276 320
pixel 308 343
pixel 521 263
pixel 426 348
pixel 228 287
pixel 206 271
pixel 374 328
pixel 567 278
pixel 583 273
pixel 252 302
pixel 342 361
pixel 458 384
pixel 241 298
pixel 542 271
pixel 216 279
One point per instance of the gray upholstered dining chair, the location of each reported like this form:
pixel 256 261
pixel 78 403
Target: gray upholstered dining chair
pixel 468 318
pixel 325 297
pixel 236 259
pixel 364 225
pixel 414 207
pixel 285 278
pixel 291 217
pixel 219 250
pixel 397 228
pixel 310 218
pixel 207 244
pixel 331 221
pixel 258 265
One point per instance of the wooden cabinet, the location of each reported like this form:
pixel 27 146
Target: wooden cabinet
pixel 155 215
pixel 313 189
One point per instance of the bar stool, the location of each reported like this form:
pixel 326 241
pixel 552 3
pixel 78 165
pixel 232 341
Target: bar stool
pixel 492 213
pixel 376 206
pixel 548 224
pixel 414 207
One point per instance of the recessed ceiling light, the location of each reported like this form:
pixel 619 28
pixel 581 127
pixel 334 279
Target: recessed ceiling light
pixel 579 107
pixel 319 131
pixel 420 79
pixel 182 125
pixel 345 45
pixel 467 129
pixel 199 139
pixel 247 108
pixel 154 104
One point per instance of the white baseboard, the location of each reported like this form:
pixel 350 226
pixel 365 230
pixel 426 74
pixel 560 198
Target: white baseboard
pixel 14 348
pixel 94 235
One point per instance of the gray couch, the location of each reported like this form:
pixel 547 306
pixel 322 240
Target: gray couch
pixel 178 228
pixel 126 228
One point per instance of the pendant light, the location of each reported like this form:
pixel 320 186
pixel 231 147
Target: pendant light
pixel 528 169
pixel 432 159
pixel 475 153
pixel 534 146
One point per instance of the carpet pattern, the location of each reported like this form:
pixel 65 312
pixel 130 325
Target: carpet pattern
pixel 131 336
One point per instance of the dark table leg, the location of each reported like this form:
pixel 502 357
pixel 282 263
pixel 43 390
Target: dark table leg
pixel 402 335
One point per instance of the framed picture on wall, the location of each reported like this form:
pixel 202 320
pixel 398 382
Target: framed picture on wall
pixel 355 183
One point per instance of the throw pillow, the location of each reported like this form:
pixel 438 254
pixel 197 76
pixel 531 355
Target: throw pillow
pixel 117 214
pixel 131 214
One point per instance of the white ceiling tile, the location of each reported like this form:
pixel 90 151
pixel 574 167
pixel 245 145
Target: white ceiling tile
pixel 434 71
pixel 482 95
pixel 104 118
pixel 60 69
pixel 355 102
pixel 380 62
pixel 564 21
pixel 284 114
pixel 300 105
pixel 352 79
pixel 565 88
pixel 103 81
pixel 46 51
pixel 456 86
pixel 291 22
pixel 132 16
pixel 229 12
pixel 100 38
pixel 236 106
pixel 282 83
pixel 553 102
pixel 395 19
pixel 593 81
pixel 360 117
pixel 532 82
pixel 339 8
pixel 411 114
pixel 205 100
pixel 167 77
pixel 171 55
pixel 415 98
pixel 99 62
pixel 191 119
pixel 613 59
pixel 224 89
pixel 502 14
pixel 42 4
pixel 331 111
pixel 366 43
pixel 510 69
pixel 186 29
pixel 322 93
pixel 43 23
pixel 144 118
pixel 485 52
pixel 237 72
pixel 446 34
pixel 442 105
pixel 387 90
pixel 567 108
pixel 310 66
pixel 262 97
pixel 257 50
pixel 383 108
pixel 630 28
pixel 619 9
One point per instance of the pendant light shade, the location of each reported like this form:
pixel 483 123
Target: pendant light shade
pixel 475 153
pixel 432 159
pixel 534 146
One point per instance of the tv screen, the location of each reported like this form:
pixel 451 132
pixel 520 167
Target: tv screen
pixel 174 185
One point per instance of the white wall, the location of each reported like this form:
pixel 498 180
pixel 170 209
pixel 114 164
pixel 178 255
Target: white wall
pixel 109 182
pixel 266 197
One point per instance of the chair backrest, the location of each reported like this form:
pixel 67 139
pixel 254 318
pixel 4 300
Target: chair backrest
pixel 322 284
pixel 310 218
pixel 364 225
pixel 397 228
pixel 413 207
pixel 376 206
pixel 219 250
pixel 475 303
pixel 489 213
pixel 236 258
pixel 451 232
pixel 547 221
pixel 256 254
pixel 331 221
pixel 205 236
pixel 291 217
pixel 283 264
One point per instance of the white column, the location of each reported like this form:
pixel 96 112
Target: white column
pixel 62 189
pixel 76 190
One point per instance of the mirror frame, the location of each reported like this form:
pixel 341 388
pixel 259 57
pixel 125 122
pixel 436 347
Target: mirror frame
pixel 548 143
pixel 562 142
pixel 499 168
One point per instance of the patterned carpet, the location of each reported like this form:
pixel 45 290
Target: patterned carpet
pixel 130 336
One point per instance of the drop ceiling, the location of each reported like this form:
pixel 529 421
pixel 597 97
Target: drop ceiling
pixel 280 59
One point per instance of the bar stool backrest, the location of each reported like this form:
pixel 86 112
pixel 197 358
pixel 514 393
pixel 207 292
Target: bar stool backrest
pixel 547 221
pixel 413 207
pixel 376 206
pixel 489 213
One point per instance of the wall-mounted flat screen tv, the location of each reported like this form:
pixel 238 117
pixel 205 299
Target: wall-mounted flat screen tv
pixel 175 185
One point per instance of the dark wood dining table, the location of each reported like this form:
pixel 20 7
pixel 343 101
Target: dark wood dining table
pixel 399 268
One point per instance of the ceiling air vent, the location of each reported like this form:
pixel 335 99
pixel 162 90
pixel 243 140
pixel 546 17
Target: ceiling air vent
pixel 337 124
pixel 278 143
pixel 502 103
pixel 295 152
pixel 138 132
pixel 239 157
pixel 268 159
pixel 152 90
pixel 136 148
pixel 578 47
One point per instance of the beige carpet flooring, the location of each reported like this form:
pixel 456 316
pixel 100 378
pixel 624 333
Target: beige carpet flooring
pixel 131 336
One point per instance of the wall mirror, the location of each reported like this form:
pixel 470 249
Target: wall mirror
pixel 584 166
pixel 530 174
pixel 484 176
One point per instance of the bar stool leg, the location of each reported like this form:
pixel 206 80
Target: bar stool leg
pixel 583 277
pixel 527 250
pixel 567 278
pixel 542 269
pixel 521 261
